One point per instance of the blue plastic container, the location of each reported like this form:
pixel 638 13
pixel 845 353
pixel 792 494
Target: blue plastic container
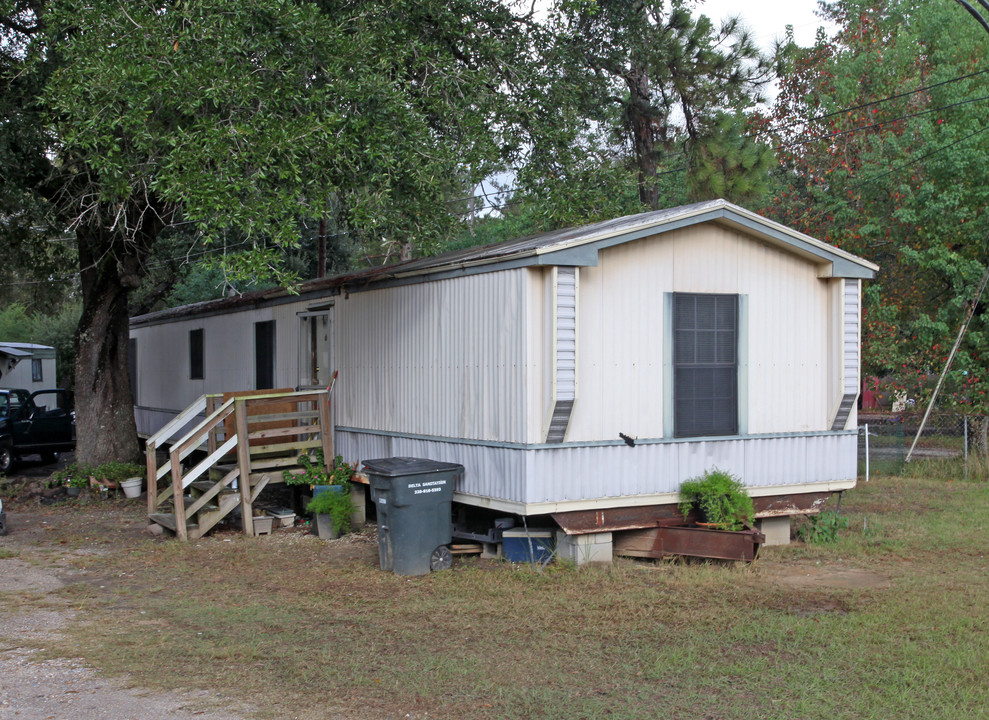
pixel 515 544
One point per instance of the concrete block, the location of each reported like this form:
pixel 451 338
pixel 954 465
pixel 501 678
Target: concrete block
pixel 359 498
pixel 776 530
pixel 585 549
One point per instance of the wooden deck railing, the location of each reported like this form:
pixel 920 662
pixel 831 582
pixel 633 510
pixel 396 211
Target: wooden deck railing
pixel 248 439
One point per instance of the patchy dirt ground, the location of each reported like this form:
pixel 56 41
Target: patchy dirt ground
pixel 40 559
pixel 34 565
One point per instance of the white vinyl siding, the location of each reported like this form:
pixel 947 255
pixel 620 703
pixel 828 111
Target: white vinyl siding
pixel 443 359
pixel 621 331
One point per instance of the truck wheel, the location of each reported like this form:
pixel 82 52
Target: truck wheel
pixel 6 459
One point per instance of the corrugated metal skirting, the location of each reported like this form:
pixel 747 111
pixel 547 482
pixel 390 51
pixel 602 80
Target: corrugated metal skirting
pixel 575 473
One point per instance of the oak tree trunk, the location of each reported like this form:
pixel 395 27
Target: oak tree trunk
pixel 105 426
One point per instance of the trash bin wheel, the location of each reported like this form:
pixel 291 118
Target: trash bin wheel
pixel 441 559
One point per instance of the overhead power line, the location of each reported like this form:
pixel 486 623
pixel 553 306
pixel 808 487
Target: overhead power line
pixel 925 156
pixel 897 96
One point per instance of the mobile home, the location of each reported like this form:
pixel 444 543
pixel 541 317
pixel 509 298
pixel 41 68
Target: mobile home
pixel 27 365
pixel 581 374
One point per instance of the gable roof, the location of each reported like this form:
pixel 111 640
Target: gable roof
pixel 572 247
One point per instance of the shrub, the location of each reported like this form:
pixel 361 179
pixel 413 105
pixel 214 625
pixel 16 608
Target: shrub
pixel 315 472
pixel 822 528
pixel 720 498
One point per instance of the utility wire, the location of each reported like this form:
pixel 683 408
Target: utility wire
pixel 875 125
pixel 907 93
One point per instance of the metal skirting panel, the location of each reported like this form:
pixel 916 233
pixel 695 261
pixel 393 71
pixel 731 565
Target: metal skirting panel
pixel 582 473
pixel 497 473
pixel 578 473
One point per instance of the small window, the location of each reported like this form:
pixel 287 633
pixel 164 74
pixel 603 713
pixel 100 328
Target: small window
pixel 705 365
pixel 264 355
pixel 196 352
pixel 37 375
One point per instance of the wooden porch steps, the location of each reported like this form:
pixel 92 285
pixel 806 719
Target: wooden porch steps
pixel 250 439
pixel 167 520
pixel 206 518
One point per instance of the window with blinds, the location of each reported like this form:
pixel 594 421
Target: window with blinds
pixel 705 365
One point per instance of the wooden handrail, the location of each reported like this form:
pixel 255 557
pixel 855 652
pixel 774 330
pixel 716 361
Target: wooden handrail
pixel 195 437
pixel 183 418
pixel 308 423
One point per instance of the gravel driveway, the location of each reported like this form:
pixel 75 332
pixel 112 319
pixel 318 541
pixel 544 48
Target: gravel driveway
pixel 36 687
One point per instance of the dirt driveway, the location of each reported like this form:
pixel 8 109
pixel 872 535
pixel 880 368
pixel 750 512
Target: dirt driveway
pixel 34 567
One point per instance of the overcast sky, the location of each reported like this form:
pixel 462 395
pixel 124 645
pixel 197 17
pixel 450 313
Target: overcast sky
pixel 767 19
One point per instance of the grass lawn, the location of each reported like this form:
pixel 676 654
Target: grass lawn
pixel 299 628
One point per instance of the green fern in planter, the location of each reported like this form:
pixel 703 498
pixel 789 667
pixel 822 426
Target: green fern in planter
pixel 338 505
pixel 720 498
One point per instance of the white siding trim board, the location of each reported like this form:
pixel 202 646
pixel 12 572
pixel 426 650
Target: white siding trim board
pixel 850 341
pixel 564 351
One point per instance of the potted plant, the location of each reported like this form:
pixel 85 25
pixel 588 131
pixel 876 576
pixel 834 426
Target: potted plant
pixel 331 502
pixel 74 485
pixel 315 473
pixel 720 499
pixel 333 510
pixel 73 477
pixel 109 474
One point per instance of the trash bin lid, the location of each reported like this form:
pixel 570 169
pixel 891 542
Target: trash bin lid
pixel 399 466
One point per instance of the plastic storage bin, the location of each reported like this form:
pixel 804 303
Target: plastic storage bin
pixel 515 545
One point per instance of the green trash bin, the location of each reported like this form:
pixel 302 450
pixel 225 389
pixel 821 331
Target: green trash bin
pixel 412 497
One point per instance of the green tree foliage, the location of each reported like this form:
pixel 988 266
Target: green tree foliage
pixel 884 153
pixel 238 118
pixel 15 324
pixel 636 94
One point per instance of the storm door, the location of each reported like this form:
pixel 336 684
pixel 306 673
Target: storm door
pixel 315 333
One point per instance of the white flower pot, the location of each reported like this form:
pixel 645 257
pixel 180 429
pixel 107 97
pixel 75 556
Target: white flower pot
pixel 132 487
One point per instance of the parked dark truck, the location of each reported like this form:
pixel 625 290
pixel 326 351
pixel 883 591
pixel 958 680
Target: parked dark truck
pixel 39 423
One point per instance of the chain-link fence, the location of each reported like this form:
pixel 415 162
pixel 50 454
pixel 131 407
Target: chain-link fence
pixel 949 443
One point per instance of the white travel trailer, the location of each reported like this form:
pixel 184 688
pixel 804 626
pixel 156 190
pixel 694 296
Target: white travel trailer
pixel 27 365
pixel 582 374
